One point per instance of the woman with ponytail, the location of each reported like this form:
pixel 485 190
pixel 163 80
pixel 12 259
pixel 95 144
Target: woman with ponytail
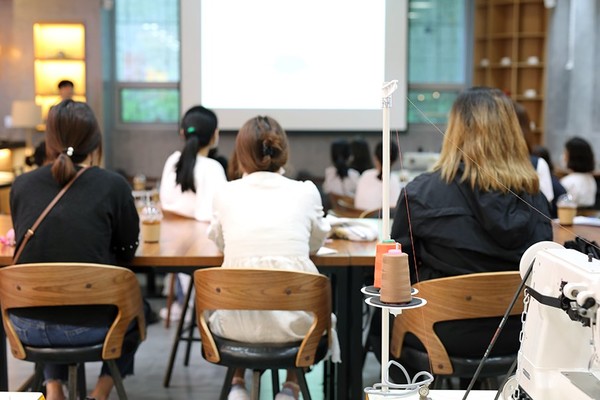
pixel 265 219
pixel 94 222
pixel 340 178
pixel 190 178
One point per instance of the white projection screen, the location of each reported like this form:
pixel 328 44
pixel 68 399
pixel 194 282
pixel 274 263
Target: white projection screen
pixel 314 65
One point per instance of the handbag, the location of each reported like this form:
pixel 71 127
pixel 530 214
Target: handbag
pixel 30 232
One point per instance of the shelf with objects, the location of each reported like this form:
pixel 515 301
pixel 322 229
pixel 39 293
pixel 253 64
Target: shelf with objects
pixel 509 53
pixel 59 55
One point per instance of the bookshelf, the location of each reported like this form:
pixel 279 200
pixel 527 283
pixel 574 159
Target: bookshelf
pixel 509 53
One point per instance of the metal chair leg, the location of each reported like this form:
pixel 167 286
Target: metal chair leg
pixel 177 338
pixel 227 383
pixel 81 384
pixel 117 379
pixel 190 338
pixel 73 381
pixel 302 383
pixel 255 384
pixel 275 381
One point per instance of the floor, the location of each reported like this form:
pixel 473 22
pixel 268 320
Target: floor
pixel 200 380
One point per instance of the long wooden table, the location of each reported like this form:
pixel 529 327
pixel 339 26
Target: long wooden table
pixel 184 247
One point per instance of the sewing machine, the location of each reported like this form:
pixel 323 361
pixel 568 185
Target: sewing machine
pixel 558 358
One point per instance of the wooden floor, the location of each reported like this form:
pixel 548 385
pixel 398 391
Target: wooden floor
pixel 200 380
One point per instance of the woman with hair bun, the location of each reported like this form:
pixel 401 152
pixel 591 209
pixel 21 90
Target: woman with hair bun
pixel 265 219
pixel 94 222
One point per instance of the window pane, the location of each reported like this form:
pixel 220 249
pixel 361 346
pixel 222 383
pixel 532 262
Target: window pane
pixel 430 106
pixel 147 40
pixel 437 52
pixel 150 105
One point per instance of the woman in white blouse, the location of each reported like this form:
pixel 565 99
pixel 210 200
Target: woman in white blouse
pixel 269 221
pixel 369 187
pixel 580 182
pixel 190 179
pixel 340 178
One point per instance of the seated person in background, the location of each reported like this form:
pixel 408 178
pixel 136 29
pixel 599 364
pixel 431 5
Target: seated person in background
pixel 95 222
pixel 541 166
pixel 557 188
pixel 464 217
pixel 189 181
pixel 277 225
pixel 580 182
pixel 38 158
pixel 369 187
pixel 360 159
pixel 66 89
pixel 340 178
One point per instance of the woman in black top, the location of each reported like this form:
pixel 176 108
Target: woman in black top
pixel 478 211
pixel 95 221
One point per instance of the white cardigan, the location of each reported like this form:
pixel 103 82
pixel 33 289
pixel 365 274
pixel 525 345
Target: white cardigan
pixel 265 220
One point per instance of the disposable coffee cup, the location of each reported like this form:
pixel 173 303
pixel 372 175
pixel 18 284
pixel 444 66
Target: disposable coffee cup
pixel 151 217
pixel 567 209
pixel 151 231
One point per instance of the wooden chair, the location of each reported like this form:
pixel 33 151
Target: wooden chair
pixel 260 289
pixel 343 206
pixel 463 297
pixel 376 213
pixel 75 284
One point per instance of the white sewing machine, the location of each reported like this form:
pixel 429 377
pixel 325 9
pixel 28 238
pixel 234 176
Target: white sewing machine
pixel 558 358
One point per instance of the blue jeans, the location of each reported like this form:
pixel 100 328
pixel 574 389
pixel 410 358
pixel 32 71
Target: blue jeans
pixel 38 333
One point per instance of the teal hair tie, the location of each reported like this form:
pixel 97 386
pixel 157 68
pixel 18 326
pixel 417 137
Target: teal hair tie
pixel 191 129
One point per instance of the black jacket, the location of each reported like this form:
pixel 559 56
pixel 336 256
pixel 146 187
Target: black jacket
pixel 457 230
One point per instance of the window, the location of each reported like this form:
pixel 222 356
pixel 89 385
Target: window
pixel 147 61
pixel 437 58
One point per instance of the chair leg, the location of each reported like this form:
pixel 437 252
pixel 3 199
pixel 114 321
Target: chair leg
pixel 190 338
pixel 73 381
pixel 177 338
pixel 227 383
pixel 38 381
pixel 255 384
pixel 117 379
pixel 81 384
pixel 302 383
pixel 275 381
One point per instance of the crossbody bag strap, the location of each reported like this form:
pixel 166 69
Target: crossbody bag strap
pixel 31 231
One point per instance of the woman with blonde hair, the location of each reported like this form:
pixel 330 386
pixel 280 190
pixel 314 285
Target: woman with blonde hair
pixel 483 187
pixel 477 211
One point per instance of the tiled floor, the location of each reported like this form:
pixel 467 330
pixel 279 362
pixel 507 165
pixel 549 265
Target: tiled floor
pixel 200 380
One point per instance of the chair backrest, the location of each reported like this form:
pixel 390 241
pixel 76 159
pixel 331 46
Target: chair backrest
pixel 376 213
pixel 343 206
pixel 462 297
pixel 73 284
pixel 264 289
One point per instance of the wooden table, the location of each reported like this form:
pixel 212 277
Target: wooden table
pixel 184 247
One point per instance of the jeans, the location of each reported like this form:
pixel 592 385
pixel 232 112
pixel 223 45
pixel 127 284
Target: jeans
pixel 37 333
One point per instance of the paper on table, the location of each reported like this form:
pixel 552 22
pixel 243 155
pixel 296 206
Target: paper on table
pixel 580 220
pixel 323 251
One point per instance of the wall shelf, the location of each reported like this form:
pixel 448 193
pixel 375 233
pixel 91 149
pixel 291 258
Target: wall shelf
pixel 510 52
pixel 59 54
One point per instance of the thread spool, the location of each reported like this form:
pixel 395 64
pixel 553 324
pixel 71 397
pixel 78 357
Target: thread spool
pixel 380 250
pixel 395 278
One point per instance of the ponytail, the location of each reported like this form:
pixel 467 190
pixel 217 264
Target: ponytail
pixel 63 169
pixel 187 161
